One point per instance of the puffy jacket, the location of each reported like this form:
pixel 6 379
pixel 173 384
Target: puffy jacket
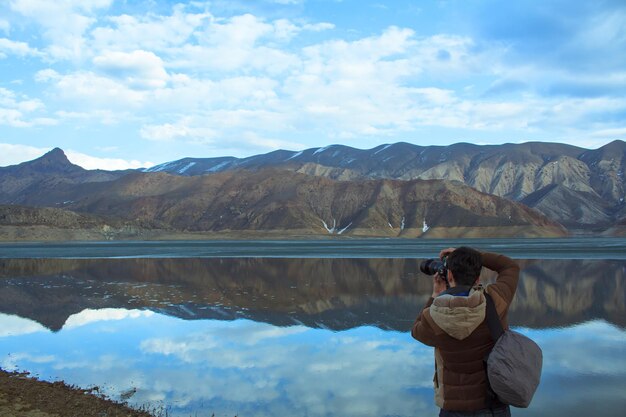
pixel 455 325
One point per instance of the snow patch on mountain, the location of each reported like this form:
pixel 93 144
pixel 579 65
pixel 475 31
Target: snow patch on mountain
pixel 186 167
pixel 218 166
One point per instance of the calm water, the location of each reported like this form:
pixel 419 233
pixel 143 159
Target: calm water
pixel 284 334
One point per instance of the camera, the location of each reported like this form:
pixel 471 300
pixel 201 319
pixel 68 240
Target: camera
pixel 434 266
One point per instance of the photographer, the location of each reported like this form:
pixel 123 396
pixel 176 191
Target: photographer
pixel 453 321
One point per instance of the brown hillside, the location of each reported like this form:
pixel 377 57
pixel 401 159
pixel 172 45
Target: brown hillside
pixel 277 200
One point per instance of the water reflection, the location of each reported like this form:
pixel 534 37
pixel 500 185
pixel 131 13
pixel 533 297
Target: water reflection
pixel 316 337
pixel 323 293
pixel 242 367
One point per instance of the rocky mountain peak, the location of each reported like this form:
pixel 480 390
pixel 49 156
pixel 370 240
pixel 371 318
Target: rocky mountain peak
pixel 53 161
pixel 56 155
pixel 615 149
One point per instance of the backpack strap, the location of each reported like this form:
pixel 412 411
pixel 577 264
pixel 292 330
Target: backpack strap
pixel 496 330
pixel 493 321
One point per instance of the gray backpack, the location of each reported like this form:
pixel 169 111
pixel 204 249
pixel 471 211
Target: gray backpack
pixel 514 363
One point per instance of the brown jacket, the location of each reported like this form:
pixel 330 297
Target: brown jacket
pixel 456 327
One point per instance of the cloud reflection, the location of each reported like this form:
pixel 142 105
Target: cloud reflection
pixel 11 361
pixel 587 349
pixel 306 371
pixel 367 371
pixel 11 325
pixel 88 316
pixel 244 367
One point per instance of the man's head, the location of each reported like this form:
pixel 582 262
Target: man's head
pixel 465 264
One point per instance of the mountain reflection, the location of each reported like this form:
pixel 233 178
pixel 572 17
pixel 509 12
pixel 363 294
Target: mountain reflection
pixel 327 293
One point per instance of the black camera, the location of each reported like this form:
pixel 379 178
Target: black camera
pixel 434 266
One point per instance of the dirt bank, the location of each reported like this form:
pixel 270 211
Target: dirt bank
pixel 23 396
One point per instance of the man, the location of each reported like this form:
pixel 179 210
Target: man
pixel 453 321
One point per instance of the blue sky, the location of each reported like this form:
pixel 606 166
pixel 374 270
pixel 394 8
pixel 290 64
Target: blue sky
pixel 119 83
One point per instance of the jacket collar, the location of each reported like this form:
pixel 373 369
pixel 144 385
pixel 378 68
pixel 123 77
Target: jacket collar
pixel 458 290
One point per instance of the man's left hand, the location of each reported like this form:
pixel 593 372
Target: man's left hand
pixel 439 285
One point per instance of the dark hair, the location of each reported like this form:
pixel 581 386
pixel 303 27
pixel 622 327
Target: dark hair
pixel 465 264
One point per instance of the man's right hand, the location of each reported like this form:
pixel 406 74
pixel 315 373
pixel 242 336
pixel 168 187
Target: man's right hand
pixel 446 252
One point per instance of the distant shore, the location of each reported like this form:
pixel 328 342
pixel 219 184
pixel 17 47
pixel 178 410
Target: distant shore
pixel 24 396
pixel 41 233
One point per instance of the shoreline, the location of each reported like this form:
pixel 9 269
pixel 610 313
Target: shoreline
pixel 344 247
pixel 22 395
pixel 46 233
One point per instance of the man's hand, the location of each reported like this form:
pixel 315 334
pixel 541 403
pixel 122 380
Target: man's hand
pixel 439 285
pixel 446 252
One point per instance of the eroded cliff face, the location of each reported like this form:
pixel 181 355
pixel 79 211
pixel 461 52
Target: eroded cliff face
pixel 53 224
pixel 513 171
pixel 274 200
pixel 335 293
pixel 564 178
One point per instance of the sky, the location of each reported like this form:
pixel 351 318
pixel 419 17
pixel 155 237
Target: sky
pixel 125 84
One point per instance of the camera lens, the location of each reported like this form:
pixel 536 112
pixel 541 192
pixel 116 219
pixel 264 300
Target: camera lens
pixel 431 266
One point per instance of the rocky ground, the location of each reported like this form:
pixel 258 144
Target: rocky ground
pixel 24 396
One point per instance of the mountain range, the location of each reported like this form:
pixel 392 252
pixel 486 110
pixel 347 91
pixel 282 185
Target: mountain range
pixel 396 190
pixel 574 186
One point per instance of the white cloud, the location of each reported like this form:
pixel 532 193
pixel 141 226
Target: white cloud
pixel 138 69
pixel 19 111
pixel 238 32
pixel 195 76
pixel 63 22
pixel 336 88
pixel 355 86
pixel 87 90
pixel 249 101
pixel 285 30
pixel 212 124
pixel 109 164
pixel 346 89
pixel 449 57
pixel 318 27
pixel 334 54
pixel 286 2
pixel 619 132
pixel 365 87
pixel 179 130
pixel 11 154
pixel 46 75
pixel 104 117
pixel 9 47
pixel 239 44
pixel 150 32
pixel 233 59
pixel 107 148
pixel 252 140
pixel 225 131
pixel 13 118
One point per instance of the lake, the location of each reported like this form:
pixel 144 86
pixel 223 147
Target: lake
pixel 307 328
